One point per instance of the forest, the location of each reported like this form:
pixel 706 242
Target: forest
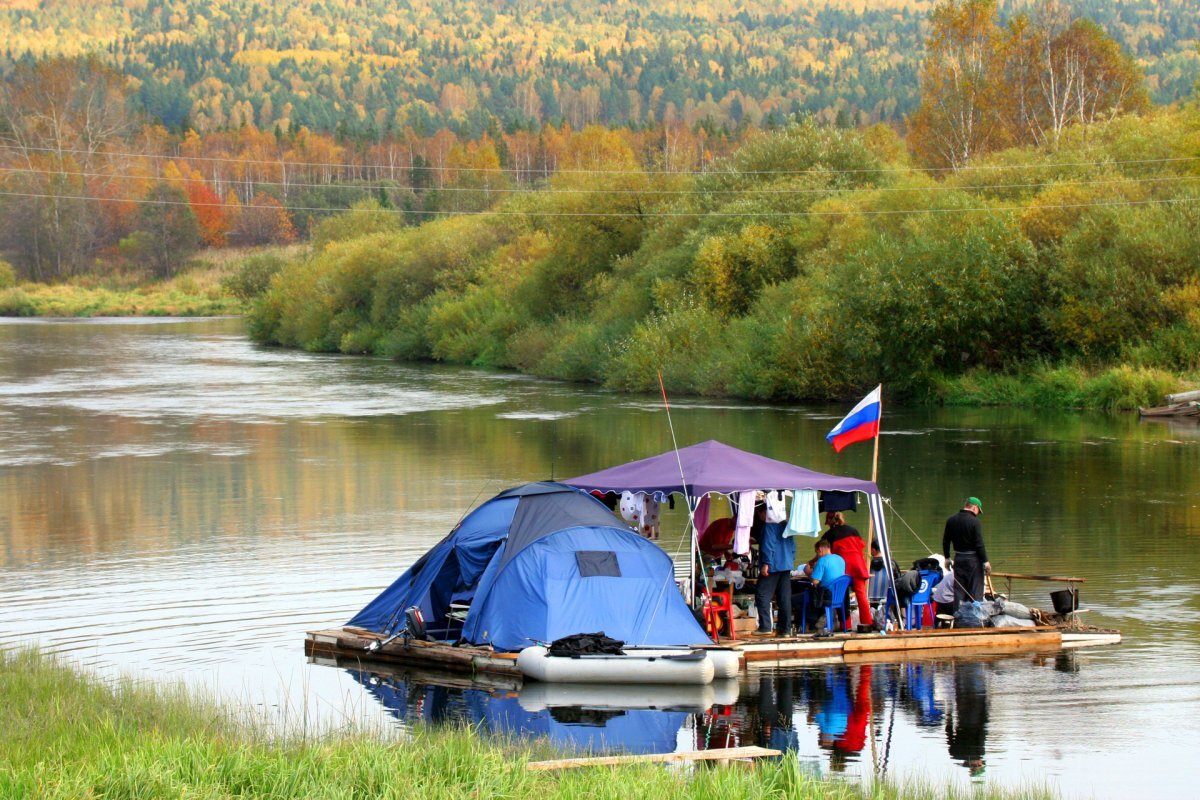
pixel 1035 216
pixel 372 68
pixel 813 256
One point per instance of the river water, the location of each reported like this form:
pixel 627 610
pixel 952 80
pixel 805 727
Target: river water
pixel 181 505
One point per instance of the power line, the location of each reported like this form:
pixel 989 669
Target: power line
pixel 694 192
pixel 710 172
pixel 624 214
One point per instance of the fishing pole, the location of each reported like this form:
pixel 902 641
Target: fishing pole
pixel 691 523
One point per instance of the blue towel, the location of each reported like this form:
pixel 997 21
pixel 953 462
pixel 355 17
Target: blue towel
pixel 805 521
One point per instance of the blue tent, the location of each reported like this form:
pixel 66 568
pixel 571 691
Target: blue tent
pixel 536 563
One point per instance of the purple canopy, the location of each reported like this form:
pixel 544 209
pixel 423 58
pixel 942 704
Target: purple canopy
pixel 714 467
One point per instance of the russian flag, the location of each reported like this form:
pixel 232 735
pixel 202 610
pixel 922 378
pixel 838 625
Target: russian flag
pixel 861 424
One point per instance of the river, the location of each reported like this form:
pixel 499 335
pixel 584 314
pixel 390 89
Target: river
pixel 179 504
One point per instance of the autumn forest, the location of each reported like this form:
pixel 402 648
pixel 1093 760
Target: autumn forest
pixel 593 191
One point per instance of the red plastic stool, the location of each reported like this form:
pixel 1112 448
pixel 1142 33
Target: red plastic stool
pixel 716 604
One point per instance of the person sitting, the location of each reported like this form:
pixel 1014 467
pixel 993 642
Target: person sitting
pixel 879 587
pixel 877 560
pixel 907 583
pixel 827 566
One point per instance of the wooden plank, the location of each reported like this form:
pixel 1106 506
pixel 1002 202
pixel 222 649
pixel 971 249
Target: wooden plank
pixel 725 754
pixel 942 653
pixel 980 639
pixel 1018 575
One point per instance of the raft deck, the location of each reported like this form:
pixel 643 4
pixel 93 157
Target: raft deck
pixel 352 643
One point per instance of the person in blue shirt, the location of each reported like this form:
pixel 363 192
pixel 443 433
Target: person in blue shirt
pixel 776 557
pixel 829 566
pixel 825 567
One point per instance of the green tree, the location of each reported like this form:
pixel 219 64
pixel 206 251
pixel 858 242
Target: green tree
pixel 168 233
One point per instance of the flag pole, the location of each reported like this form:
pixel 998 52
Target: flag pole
pixel 875 464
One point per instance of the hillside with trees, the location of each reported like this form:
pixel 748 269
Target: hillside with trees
pixel 371 68
pixel 1052 260
pixel 1029 238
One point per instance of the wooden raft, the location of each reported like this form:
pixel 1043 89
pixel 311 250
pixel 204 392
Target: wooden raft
pixel 724 755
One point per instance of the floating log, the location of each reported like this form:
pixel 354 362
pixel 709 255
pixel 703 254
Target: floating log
pixel 722 755
pixel 1190 409
pixel 1184 397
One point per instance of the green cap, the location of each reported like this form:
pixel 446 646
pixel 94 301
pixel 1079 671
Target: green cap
pixel 975 501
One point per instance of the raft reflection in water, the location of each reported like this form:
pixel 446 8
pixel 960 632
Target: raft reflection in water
pixel 832 717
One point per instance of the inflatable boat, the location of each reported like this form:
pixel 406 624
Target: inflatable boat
pixel 641 665
pixel 536 696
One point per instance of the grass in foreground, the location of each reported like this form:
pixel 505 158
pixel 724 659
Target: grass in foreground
pixel 66 734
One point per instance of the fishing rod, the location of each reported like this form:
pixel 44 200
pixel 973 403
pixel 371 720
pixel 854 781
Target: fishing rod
pixel 691 523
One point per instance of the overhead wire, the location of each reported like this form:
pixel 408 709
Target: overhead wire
pixel 636 214
pixel 826 190
pixel 578 171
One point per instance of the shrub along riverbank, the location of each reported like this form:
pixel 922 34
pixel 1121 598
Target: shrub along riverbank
pixel 810 266
pixel 216 283
pixel 65 734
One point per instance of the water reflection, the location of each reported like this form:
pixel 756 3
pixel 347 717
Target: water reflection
pixel 176 502
pixel 833 718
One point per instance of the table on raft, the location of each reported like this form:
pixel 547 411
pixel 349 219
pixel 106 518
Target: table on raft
pixel 351 645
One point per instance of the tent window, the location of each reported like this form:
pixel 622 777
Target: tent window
pixel 594 563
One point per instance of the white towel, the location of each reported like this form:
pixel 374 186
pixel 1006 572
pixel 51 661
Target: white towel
pixel 631 507
pixel 776 510
pixel 745 519
pixel 805 519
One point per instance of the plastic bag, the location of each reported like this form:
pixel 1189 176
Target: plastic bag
pixel 1016 610
pixel 971 614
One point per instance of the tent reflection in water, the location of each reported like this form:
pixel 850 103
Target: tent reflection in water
pixel 537 563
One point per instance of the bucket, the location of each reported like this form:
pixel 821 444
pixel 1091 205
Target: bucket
pixel 1065 601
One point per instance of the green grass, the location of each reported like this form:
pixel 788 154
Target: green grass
pixel 201 290
pixel 67 734
pixel 1044 386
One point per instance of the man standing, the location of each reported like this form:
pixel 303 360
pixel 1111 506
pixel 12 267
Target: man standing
pixel 846 542
pixel 776 557
pixel 965 533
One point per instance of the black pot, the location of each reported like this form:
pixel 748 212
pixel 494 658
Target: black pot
pixel 1065 601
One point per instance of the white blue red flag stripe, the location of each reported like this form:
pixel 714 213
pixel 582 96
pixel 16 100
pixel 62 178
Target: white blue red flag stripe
pixel 861 424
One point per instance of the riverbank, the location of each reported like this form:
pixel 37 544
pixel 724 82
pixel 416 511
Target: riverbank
pixel 809 266
pixel 214 284
pixel 69 734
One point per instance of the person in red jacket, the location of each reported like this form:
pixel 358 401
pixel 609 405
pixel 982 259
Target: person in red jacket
pixel 846 542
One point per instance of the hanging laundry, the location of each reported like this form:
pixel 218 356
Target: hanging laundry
pixel 776 510
pixel 631 506
pixel 700 516
pixel 805 519
pixel 648 524
pixel 745 519
pixel 838 501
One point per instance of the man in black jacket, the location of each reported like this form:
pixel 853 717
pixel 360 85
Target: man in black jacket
pixel 965 533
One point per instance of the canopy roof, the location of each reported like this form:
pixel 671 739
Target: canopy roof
pixel 714 467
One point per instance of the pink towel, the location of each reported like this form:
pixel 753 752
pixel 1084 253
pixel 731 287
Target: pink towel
pixel 700 517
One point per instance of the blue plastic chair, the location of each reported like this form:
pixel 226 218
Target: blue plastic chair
pixel 881 597
pixel 837 592
pixel 927 580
